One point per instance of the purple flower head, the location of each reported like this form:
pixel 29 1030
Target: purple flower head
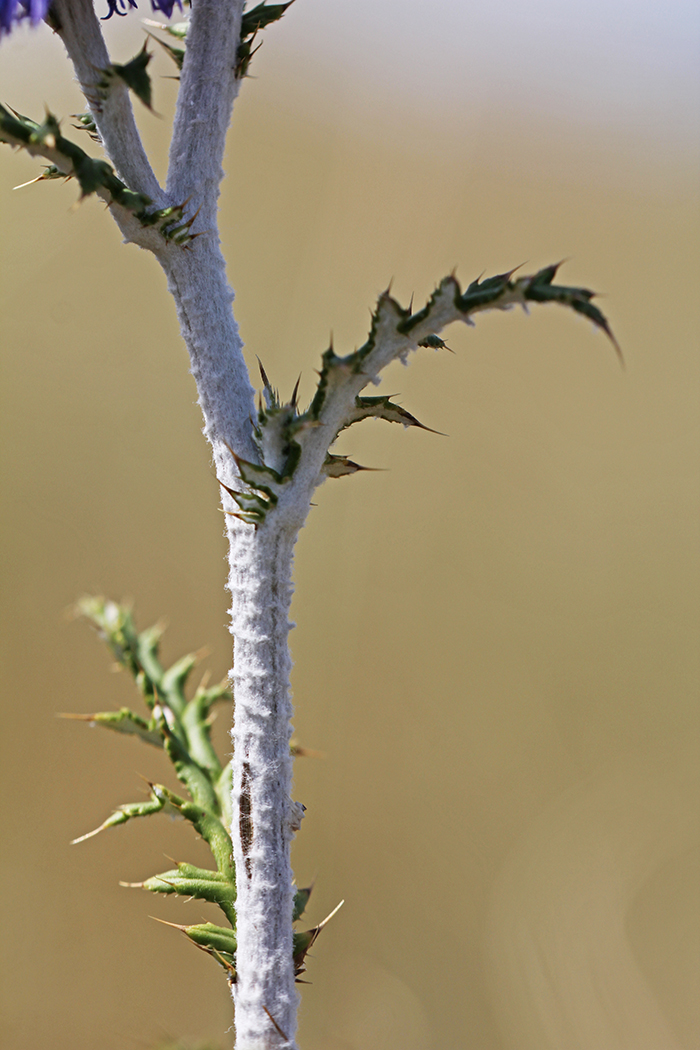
pixel 14 10
pixel 119 7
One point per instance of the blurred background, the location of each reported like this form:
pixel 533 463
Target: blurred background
pixel 497 647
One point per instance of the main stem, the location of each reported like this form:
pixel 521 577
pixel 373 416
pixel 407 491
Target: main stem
pixel 260 583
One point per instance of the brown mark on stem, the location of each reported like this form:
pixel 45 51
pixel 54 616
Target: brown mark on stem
pixel 245 823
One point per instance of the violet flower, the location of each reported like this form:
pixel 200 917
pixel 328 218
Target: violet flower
pixel 15 10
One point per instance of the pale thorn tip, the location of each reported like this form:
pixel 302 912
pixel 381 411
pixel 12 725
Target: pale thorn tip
pixel 329 917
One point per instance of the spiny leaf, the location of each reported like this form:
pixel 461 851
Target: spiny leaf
pixel 86 122
pixel 217 941
pixel 197 779
pixel 303 941
pixel 261 16
pixel 177 54
pixel 340 466
pixel 94 176
pixel 207 935
pixel 258 476
pixel 253 21
pixel 190 881
pixel 90 173
pixel 175 678
pixel 382 407
pixel 541 290
pixel 272 398
pixel 334 372
pixel 156 804
pixel 434 342
pixel 47 133
pixel 211 829
pixel 301 899
pixel 134 75
pixel 123 721
pixel 49 172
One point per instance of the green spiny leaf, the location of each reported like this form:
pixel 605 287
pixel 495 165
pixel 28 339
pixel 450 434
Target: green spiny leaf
pixel 197 780
pixel 253 21
pixel 301 899
pixel 177 54
pixel 174 679
pixel 340 466
pixel 217 941
pixel 134 75
pixel 156 804
pixel 334 370
pixel 434 342
pixel 90 173
pixel 49 172
pixel 124 721
pixel 448 286
pixel 86 122
pixel 540 289
pixel 196 722
pixel 303 940
pixel 200 883
pixel 207 935
pixel 262 478
pixel 261 16
pixel 208 826
pixel 383 408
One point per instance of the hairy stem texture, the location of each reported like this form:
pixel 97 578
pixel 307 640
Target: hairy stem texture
pixel 260 582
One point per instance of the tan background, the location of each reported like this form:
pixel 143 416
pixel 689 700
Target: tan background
pixel 497 640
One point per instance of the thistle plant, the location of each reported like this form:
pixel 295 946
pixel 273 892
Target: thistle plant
pixel 269 454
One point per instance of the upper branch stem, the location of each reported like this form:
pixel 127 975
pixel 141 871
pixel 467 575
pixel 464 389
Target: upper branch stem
pixel 197 281
pixel 79 28
pixel 208 88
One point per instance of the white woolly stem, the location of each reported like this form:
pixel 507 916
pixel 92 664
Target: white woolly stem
pixel 260 582
pixel 197 282
pixel 208 88
pixel 81 33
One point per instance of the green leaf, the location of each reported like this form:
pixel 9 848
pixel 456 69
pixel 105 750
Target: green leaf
pixel 340 466
pixel 49 172
pixel 303 940
pixel 217 941
pixel 123 721
pixel 177 54
pixel 301 899
pixel 258 18
pixel 200 883
pixel 134 75
pixel 261 16
pixel 540 289
pixel 382 407
pixel 207 935
pixel 434 342
pixel 86 122
pixel 156 804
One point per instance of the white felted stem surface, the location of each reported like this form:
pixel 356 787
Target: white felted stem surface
pixel 260 582
pixel 81 34
pixel 202 295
